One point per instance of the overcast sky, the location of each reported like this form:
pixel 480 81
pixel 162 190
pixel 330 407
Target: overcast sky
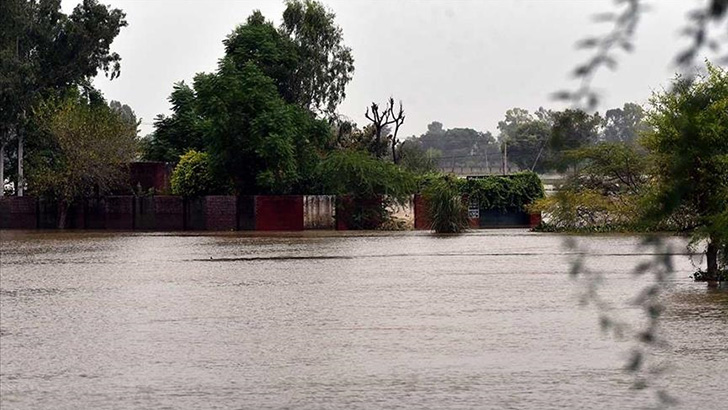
pixel 463 63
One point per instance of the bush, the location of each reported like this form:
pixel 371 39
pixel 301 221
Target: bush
pixel 366 187
pixel 505 192
pixel 192 177
pixel 446 209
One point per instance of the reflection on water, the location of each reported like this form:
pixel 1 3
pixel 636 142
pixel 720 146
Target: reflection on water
pixel 334 320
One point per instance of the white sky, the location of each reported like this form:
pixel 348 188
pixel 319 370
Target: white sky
pixel 463 63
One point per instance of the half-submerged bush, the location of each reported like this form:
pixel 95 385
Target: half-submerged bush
pixel 446 208
pixel 367 188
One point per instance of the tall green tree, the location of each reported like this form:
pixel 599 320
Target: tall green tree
pixel 178 133
pixel 91 145
pixel 254 137
pixel 325 65
pixel 44 52
pixel 689 146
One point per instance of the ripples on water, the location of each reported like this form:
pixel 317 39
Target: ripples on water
pixel 334 320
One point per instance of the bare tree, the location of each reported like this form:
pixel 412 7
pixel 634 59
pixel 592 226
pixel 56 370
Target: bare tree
pixel 381 120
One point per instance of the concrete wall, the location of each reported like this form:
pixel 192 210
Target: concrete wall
pixel 319 212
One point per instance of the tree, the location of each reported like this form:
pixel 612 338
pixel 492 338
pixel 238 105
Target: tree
pixel 254 137
pixel 381 121
pixel 44 52
pixel 624 124
pixel 528 145
pixel 325 65
pixel 91 147
pixel 462 146
pixel 689 146
pixel 524 138
pixel 572 129
pixel 414 159
pixel 178 133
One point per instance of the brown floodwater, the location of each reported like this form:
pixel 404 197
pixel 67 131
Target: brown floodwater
pixel 489 319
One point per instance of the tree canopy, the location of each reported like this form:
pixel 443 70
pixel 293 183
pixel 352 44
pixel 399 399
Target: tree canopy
pixel 89 147
pixel 689 149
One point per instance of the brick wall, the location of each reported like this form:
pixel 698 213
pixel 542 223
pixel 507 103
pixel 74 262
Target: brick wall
pixel 279 213
pixel 147 175
pixel 18 213
pixel 159 213
pixel 422 220
pixel 119 212
pixel 221 213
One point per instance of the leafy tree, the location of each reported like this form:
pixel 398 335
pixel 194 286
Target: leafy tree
pixel 605 194
pixel 462 146
pixel 192 177
pixel 690 152
pixel 414 159
pixel 91 147
pixel 572 129
pixel 528 145
pixel 525 137
pixel 254 136
pixel 624 124
pixel 44 53
pixel 325 65
pixel 178 133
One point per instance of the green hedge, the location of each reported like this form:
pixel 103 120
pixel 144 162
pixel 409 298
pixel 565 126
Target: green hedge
pixel 501 192
pixel 505 192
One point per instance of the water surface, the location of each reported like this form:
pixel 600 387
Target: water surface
pixel 313 320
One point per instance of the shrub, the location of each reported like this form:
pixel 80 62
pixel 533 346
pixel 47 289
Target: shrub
pixel 192 177
pixel 446 209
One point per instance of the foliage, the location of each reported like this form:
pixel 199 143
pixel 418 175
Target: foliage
pixel 605 194
pixel 588 210
pixel 689 151
pixel 358 173
pixel 255 115
pixel 325 65
pixel 254 137
pixel 624 124
pixel 414 159
pixel 178 133
pixel 505 192
pixel 610 168
pixel 45 53
pixel 366 187
pixel 446 208
pixel 457 146
pixel 92 145
pixel 572 129
pixel 192 176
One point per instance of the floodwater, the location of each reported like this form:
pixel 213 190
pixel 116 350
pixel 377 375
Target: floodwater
pixel 486 320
